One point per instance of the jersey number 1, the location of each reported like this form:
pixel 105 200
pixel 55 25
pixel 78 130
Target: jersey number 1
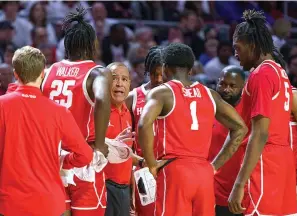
pixel 193 108
pixel 62 88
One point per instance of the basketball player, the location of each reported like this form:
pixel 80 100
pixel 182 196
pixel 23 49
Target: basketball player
pixel 268 165
pixel 84 88
pixel 229 86
pixel 31 130
pixel 185 113
pixel 135 102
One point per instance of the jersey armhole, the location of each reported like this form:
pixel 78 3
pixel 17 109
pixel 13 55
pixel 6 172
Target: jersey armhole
pixel 211 98
pixel 174 102
pixel 84 85
pixel 46 76
pixel 134 100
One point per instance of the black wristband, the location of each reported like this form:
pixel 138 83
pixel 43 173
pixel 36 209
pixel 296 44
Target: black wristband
pixel 140 163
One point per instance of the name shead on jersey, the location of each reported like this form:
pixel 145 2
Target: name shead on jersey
pixel 67 71
pixel 192 93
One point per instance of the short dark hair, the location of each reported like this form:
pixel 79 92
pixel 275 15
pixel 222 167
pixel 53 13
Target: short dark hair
pixel 254 31
pixel 153 59
pixel 79 38
pixel 178 55
pixel 236 70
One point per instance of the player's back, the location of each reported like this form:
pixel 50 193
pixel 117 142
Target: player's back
pixel 186 130
pixel 280 102
pixel 65 83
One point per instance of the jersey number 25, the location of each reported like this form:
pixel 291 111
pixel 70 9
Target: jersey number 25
pixel 62 88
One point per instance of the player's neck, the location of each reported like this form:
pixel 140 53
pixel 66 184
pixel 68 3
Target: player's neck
pixel 32 84
pixel 183 78
pixel 263 58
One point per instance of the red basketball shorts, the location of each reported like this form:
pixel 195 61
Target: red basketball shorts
pixel 185 187
pixel 87 198
pixel 271 189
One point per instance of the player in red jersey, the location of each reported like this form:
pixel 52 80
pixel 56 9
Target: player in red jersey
pixel 230 87
pixel 84 88
pixel 135 102
pixel 268 165
pixel 185 113
pixel 31 130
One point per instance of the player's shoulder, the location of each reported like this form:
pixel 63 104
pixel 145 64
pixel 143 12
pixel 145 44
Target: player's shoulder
pixel 161 91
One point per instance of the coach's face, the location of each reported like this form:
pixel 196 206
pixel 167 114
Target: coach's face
pixel 120 84
pixel 230 87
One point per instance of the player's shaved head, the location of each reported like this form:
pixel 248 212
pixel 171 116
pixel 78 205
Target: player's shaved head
pixel 231 83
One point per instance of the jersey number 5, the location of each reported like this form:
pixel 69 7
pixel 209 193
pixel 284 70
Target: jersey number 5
pixel 287 94
pixel 193 108
pixel 62 88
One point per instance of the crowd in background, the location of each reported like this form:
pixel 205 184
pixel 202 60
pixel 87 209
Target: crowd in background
pixel 197 24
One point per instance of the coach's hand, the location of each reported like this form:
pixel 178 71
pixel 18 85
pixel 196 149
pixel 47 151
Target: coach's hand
pixel 235 199
pixel 154 170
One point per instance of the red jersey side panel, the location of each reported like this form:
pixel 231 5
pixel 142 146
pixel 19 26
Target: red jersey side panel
pixel 186 130
pixel 65 83
pixel 293 135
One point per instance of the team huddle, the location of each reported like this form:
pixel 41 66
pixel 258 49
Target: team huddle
pixel 226 152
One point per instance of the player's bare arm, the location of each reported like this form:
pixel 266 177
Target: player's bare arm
pixel 158 103
pixel 98 87
pixel 294 105
pixel 228 116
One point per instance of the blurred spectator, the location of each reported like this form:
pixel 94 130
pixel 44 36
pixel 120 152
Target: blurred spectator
pixel 137 51
pixel 292 67
pixel 137 72
pixel 8 54
pixel 115 46
pixel 171 12
pixel 22 34
pixel 175 35
pixel 6 77
pixel 144 35
pixel 48 51
pixel 211 47
pixel 6 35
pixel 58 9
pixel 38 18
pixel 281 31
pixel 39 36
pixel 225 57
pixel 119 9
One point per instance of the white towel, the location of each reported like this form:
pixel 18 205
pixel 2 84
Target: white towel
pixel 119 152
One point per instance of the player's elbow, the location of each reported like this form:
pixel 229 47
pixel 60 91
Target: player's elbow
pixel 244 129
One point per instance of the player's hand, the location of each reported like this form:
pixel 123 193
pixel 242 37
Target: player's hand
pixel 103 149
pixel 235 200
pixel 154 170
pixel 126 135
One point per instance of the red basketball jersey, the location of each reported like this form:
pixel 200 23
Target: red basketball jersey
pixel 65 83
pixel 137 107
pixel 185 132
pixel 268 93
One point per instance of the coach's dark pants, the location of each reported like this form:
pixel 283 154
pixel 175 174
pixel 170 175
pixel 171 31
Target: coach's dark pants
pixel 118 199
pixel 224 211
